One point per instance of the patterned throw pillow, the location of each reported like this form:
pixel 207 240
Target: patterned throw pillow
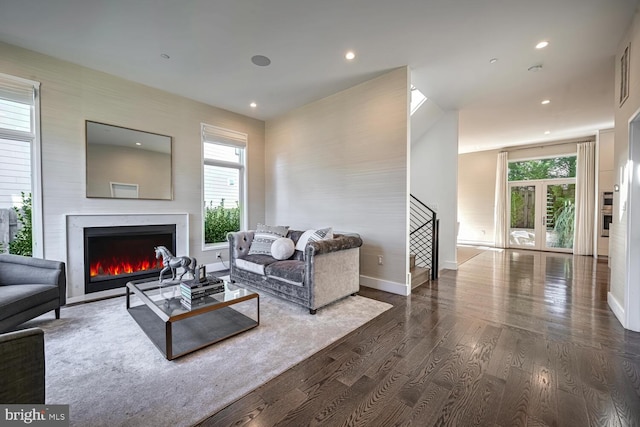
pixel 314 236
pixel 264 237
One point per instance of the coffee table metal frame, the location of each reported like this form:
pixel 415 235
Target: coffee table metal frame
pixel 170 311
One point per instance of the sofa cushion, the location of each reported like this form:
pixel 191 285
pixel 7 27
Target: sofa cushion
pixel 289 271
pixel 15 299
pixel 255 263
pixel 264 236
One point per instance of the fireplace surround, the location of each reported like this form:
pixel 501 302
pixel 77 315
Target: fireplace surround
pixel 75 226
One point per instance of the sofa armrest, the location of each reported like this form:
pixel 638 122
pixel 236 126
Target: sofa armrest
pixel 239 244
pixel 338 243
pixel 20 270
pixel 22 367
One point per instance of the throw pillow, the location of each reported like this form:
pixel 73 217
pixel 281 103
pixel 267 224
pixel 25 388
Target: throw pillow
pixel 282 248
pixel 304 238
pixel 264 236
pixel 314 236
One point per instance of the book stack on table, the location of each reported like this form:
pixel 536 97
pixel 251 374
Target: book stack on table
pixel 195 292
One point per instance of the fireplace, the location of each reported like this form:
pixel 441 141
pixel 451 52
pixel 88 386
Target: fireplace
pixel 114 256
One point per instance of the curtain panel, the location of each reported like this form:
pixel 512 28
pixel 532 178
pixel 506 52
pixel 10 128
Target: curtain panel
pixel 585 199
pixel 501 221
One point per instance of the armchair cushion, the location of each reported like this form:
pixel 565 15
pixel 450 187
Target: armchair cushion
pixel 22 367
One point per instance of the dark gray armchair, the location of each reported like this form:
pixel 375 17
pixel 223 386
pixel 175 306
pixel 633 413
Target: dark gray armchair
pixel 30 287
pixel 22 367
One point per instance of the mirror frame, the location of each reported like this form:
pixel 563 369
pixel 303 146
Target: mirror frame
pixel 140 134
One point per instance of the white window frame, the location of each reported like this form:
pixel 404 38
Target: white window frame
pixel 231 138
pixel 17 84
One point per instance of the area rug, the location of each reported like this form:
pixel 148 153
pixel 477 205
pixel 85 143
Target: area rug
pixel 101 363
pixel 465 253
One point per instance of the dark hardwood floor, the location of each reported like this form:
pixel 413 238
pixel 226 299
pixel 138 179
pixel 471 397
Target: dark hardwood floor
pixel 512 338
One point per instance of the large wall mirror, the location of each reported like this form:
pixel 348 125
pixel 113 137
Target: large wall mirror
pixel 127 164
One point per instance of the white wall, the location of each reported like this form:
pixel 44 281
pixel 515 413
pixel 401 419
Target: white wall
pixel 476 197
pixel 434 179
pixel 624 294
pixel 342 162
pixel 71 94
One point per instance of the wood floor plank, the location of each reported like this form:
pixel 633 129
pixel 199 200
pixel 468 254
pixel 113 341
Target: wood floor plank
pixel 510 338
pixel 516 398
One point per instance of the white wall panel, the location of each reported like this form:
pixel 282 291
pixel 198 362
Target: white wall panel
pixel 71 94
pixel 342 162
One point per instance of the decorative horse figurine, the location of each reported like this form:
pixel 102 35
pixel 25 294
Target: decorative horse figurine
pixel 171 262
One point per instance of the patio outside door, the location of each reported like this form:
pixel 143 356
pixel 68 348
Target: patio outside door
pixel 542 214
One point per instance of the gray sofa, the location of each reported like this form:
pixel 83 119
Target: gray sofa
pixel 29 287
pixel 326 271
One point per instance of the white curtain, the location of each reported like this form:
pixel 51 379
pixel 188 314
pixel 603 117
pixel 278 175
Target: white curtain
pixel 501 221
pixel 585 198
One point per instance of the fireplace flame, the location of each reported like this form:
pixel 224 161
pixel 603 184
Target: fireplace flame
pixel 116 267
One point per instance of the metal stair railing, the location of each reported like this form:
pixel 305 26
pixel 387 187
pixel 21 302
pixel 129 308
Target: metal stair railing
pixel 423 235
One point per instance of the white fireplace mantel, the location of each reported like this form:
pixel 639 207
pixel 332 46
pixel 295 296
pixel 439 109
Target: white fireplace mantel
pixel 76 223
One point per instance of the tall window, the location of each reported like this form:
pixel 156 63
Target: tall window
pixel 19 162
pixel 224 175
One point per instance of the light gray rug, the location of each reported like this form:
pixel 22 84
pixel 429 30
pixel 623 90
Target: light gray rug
pixel 101 363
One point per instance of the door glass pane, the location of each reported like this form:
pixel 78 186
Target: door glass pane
pixel 523 216
pixel 560 215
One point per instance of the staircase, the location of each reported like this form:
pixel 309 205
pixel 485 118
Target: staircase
pixel 423 242
pixel 419 275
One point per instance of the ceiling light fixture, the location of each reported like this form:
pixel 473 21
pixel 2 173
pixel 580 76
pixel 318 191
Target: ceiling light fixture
pixel 542 44
pixel 547 132
pixel 253 105
pixel 165 56
pixel 260 60
pixel 545 102
pixel 535 68
pixel 493 60
pixel 138 143
pixel 350 55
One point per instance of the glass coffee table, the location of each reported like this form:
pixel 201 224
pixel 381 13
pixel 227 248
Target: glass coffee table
pixel 176 330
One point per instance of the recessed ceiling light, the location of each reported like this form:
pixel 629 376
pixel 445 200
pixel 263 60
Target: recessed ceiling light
pixel 535 68
pixel 165 56
pixel 547 132
pixel 350 55
pixel 260 60
pixel 253 105
pixel 138 143
pixel 542 44
pixel 545 102
pixel 493 60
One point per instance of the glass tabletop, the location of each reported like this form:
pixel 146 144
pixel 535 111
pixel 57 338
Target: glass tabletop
pixel 167 296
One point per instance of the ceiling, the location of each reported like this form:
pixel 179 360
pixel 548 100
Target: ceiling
pixel 446 43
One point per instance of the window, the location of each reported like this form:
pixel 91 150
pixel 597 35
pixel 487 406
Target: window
pixel 224 173
pixel 553 168
pixel 19 159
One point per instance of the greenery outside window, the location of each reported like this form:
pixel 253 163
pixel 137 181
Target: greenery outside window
pixel 224 172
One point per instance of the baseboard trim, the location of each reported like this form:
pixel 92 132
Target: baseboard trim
pixel 476 243
pixel 217 266
pixel 448 265
pixel 617 308
pixel 385 285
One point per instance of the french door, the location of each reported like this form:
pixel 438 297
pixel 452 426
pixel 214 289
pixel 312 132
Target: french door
pixel 542 214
